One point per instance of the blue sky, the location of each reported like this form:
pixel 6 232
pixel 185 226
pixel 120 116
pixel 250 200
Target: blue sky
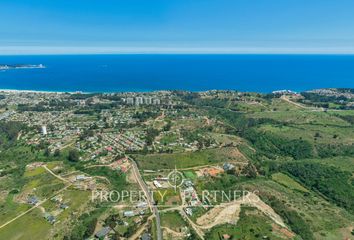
pixel 195 26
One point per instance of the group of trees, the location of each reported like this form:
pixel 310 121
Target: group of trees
pixel 9 131
pixel 85 226
pixel 331 150
pixel 272 146
pixel 151 134
pixel 73 155
pixel 291 217
pixel 329 181
pixel 145 115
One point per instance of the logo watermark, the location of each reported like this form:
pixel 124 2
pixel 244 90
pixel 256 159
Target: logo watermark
pixel 185 194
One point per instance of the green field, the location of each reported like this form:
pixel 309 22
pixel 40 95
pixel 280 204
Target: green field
pixel 287 181
pixel 167 197
pixel 342 162
pixel 185 160
pixel 30 226
pixel 190 175
pixel 172 220
pixel 10 209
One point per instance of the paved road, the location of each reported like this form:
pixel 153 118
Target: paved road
pixel 149 198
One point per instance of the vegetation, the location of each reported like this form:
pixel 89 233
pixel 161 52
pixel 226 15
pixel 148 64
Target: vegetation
pixel 85 225
pixel 287 181
pixel 332 182
pixel 295 221
pixel 251 225
pixel 183 160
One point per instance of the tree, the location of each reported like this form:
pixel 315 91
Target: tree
pixel 167 127
pixel 74 155
pixel 57 153
pixel 47 152
pixel 250 170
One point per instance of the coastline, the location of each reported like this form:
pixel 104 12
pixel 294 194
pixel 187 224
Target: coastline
pixel 34 91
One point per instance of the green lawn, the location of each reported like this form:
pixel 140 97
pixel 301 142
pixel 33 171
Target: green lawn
pixel 184 160
pixel 172 220
pixel 10 209
pixel 288 182
pixel 29 226
pixel 190 175
pixel 167 197
pixel 342 162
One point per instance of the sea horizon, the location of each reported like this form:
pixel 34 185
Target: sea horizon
pixel 109 73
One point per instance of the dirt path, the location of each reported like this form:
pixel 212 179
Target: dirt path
pixel 22 214
pixel 173 233
pixel 193 225
pixel 55 175
pixel 140 231
pixel 161 117
pixel 286 99
pixel 37 205
pixel 208 122
pixel 229 212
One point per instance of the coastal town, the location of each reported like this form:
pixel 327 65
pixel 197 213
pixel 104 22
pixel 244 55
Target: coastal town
pixel 151 165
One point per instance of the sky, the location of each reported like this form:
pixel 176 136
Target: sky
pixel 176 26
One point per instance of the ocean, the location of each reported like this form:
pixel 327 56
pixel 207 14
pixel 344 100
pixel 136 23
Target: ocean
pixel 149 72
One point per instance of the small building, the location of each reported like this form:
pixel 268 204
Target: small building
pixel 145 236
pixel 129 214
pixel 157 184
pixel 142 205
pixel 189 211
pixel 188 183
pixel 228 166
pixel 63 206
pixel 80 177
pixel 50 218
pixel 103 232
pixel 32 200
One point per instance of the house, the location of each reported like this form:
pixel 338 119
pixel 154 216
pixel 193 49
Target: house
pixel 103 232
pixel 80 177
pixel 57 198
pixel 228 166
pixel 189 211
pixel 157 184
pixel 145 236
pixel 50 218
pixel 129 214
pixel 63 206
pixel 142 205
pixel 188 183
pixel 32 200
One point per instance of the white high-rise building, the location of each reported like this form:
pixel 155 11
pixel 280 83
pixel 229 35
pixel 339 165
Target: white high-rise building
pixel 148 100
pixel 156 101
pixel 138 101
pixel 44 130
pixel 130 100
